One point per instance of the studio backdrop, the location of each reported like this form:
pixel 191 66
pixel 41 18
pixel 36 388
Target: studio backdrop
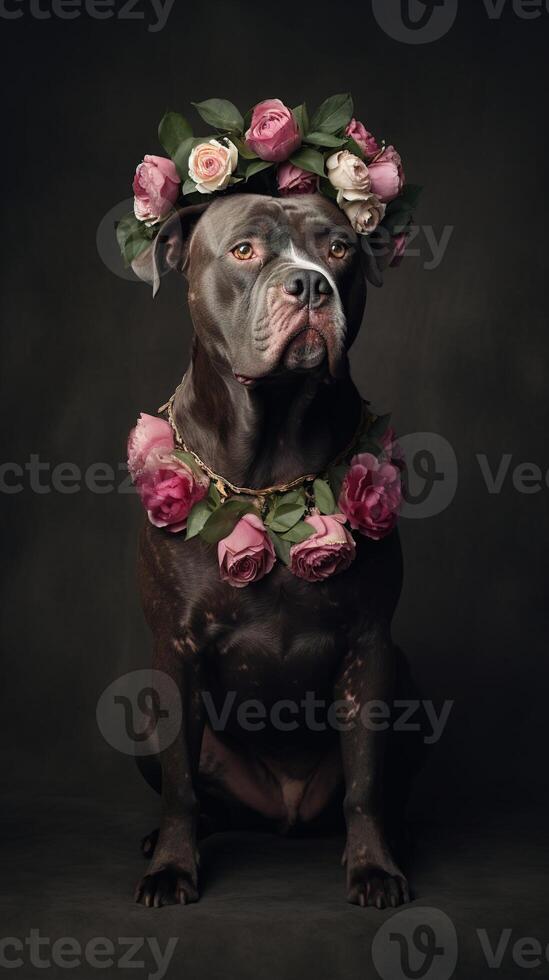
pixel 454 345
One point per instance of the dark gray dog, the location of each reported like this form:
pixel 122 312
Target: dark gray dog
pixel 277 290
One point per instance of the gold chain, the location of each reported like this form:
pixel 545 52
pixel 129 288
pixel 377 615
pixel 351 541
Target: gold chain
pixel 225 487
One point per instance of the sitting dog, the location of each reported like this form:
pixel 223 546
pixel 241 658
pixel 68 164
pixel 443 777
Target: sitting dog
pixel 277 291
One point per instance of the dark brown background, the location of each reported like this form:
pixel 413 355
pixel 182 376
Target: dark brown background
pixel 459 351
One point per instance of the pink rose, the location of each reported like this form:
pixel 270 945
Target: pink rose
pixel 247 553
pixel 273 133
pixel 399 248
pixel 168 487
pixel 170 492
pixel 294 180
pixel 368 143
pixel 330 550
pixel 371 495
pixel 392 450
pixel 150 433
pixel 387 175
pixel 156 188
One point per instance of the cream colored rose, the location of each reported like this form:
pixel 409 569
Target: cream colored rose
pixel 364 213
pixel 347 172
pixel 211 165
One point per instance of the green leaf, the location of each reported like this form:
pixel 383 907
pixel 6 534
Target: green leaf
pixel 379 426
pixel 286 516
pixel 396 205
pixel 172 131
pixel 256 166
pixel 397 222
pixel 300 532
pixel 399 211
pixel 182 154
pixel 353 147
pixel 214 496
pixel 325 139
pixel 366 445
pixel 133 237
pixel 197 518
pixel 243 149
pixel 125 227
pixel 189 187
pixel 333 114
pixel 221 114
pixel 328 189
pixel 189 461
pixel 291 497
pixel 411 194
pixel 281 547
pixel 324 497
pixel 336 477
pixel 223 520
pixel 310 160
pixel 400 228
pixel 301 117
pixel 133 248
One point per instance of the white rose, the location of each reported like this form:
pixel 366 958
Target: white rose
pixel 347 172
pixel 211 165
pixel 364 213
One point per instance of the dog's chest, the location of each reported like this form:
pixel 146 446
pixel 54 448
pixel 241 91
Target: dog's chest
pixel 277 641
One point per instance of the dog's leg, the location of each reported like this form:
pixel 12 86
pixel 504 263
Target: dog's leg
pixel 172 874
pixel 368 676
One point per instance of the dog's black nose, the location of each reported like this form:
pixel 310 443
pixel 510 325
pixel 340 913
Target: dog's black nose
pixel 308 285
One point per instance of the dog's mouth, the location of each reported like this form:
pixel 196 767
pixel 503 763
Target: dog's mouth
pixel 304 351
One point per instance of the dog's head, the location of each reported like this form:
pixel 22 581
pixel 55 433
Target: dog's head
pixel 276 285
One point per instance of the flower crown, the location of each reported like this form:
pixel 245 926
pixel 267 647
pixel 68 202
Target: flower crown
pixel 276 151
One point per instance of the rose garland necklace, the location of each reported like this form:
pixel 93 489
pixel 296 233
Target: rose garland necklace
pixel 298 522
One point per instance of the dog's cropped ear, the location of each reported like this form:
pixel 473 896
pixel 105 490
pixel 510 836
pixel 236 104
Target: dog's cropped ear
pixel 370 264
pixel 377 252
pixel 170 249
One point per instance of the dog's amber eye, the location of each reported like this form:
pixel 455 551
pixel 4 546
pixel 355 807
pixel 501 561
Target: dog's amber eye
pixel 338 250
pixel 243 251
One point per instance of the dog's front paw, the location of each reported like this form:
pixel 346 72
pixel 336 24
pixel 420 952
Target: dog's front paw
pixel 372 885
pixel 169 885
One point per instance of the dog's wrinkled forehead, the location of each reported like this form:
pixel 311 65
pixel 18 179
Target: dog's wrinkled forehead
pixel 290 227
